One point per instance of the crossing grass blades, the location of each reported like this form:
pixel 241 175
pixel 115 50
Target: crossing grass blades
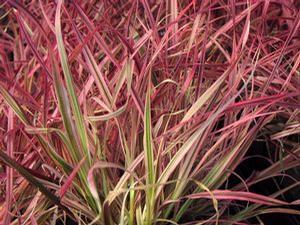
pixel 146 112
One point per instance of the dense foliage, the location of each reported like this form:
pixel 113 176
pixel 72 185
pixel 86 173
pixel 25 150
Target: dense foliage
pixel 145 112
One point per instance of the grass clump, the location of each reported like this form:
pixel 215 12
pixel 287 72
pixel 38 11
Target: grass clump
pixel 147 112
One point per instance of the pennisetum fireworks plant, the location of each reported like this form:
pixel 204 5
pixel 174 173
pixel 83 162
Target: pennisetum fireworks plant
pixel 142 112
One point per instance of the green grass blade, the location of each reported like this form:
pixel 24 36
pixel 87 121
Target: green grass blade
pixel 14 105
pixel 149 160
pixel 70 84
pixel 65 110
